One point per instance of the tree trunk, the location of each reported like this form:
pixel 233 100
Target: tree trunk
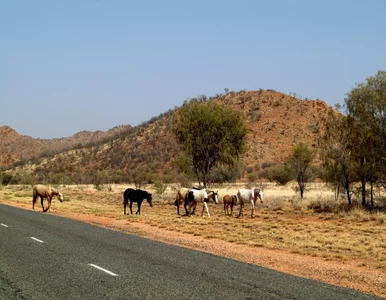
pixel 301 188
pixel 347 187
pixel 363 181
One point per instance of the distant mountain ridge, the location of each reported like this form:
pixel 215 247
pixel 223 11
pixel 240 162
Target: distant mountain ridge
pixel 15 147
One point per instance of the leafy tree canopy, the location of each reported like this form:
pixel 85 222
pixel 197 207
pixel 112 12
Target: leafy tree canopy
pixel 210 134
pixel 299 162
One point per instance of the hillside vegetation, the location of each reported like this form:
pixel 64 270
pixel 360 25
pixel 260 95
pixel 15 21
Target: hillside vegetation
pixel 275 122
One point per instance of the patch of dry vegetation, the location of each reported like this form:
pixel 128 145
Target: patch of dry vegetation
pixel 317 227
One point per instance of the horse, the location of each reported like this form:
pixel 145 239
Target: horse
pixel 195 196
pixel 229 201
pixel 249 195
pixel 135 196
pixel 126 198
pixel 180 197
pixel 44 191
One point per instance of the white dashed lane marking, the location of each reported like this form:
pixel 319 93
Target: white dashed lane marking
pixel 104 270
pixel 35 239
pixel 92 265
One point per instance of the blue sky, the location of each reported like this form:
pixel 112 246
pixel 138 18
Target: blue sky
pixel 68 66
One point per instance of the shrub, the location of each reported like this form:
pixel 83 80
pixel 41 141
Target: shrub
pixel 252 177
pixel 278 173
pixel 5 178
pixel 160 187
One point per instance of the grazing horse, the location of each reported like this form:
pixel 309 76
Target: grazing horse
pixel 249 195
pixel 135 196
pixel 195 196
pixel 229 201
pixel 180 198
pixel 44 191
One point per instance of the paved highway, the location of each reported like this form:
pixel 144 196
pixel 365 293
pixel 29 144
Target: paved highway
pixel 43 256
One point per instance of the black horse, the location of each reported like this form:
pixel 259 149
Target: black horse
pixel 135 196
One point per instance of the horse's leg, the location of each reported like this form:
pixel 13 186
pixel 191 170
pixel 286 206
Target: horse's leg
pixel 231 210
pixel 192 204
pixel 188 213
pixel 186 204
pixel 178 205
pixel 179 202
pixel 253 209
pixel 41 201
pixel 194 207
pixel 49 199
pixel 225 209
pixel 139 208
pixel 241 209
pixel 206 208
pixel 33 202
pixel 131 207
pixel 125 203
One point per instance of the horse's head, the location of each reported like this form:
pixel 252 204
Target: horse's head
pixel 149 199
pixel 189 196
pixel 259 194
pixel 234 199
pixel 60 197
pixel 214 196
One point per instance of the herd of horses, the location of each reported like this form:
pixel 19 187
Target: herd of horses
pixel 188 197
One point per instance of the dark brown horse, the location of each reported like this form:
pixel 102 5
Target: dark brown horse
pixel 135 196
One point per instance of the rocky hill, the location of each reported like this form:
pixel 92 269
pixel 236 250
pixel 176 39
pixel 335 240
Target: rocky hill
pixel 276 122
pixel 15 147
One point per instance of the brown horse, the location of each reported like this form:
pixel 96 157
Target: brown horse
pixel 180 198
pixel 229 201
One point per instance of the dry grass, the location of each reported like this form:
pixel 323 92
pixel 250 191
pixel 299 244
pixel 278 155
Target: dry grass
pixel 316 226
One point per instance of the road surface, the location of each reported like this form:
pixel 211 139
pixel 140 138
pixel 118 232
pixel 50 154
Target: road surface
pixel 43 256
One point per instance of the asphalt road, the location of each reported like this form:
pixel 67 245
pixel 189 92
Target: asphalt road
pixel 43 256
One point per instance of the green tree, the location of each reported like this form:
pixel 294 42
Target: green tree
pixel 366 118
pixel 339 169
pixel 299 162
pixel 210 135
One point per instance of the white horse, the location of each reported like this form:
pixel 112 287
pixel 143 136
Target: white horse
pixel 195 196
pixel 249 195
